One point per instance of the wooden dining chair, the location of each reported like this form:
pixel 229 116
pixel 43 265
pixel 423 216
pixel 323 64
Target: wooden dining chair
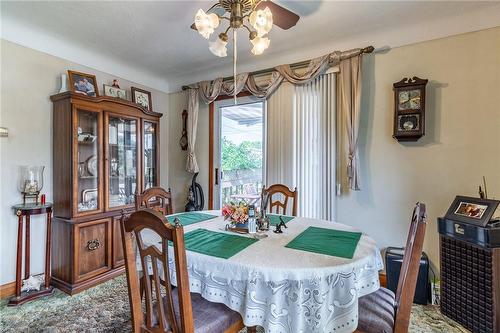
pixel 156 198
pixel 286 193
pixel 384 312
pixel 169 310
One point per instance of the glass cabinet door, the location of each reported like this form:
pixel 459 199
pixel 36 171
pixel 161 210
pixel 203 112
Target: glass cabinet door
pixel 149 143
pixel 122 161
pixel 88 159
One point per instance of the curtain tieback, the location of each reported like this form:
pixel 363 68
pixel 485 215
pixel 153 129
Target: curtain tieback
pixel 350 173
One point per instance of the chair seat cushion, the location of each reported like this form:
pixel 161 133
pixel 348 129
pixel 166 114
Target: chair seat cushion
pixel 208 317
pixel 376 312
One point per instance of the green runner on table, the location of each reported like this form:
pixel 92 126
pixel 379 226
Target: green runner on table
pixel 190 218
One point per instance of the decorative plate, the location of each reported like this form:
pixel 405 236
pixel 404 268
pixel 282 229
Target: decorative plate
pixel 92 165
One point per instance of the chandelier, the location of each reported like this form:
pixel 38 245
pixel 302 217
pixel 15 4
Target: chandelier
pixel 256 16
pixel 239 14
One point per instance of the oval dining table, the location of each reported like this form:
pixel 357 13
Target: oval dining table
pixel 284 290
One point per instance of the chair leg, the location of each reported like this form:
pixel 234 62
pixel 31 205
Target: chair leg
pixel 142 286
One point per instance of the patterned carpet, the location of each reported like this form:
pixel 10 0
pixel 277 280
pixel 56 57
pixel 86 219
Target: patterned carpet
pixel 105 309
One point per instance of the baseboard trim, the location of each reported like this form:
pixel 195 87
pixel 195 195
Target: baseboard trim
pixel 8 289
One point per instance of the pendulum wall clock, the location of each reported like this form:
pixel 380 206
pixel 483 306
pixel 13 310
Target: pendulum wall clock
pixel 409 105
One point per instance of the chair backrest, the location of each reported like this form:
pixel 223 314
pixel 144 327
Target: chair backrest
pixel 280 190
pixel 159 315
pixel 409 269
pixel 156 198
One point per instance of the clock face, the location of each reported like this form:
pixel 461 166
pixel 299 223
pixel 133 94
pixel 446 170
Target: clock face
pixel 409 122
pixel 142 99
pixel 409 99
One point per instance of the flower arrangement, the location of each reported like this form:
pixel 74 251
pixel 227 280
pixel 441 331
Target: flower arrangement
pixel 237 212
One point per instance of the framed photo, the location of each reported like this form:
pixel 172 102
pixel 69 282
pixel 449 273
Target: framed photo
pixel 472 210
pixel 82 83
pixel 114 92
pixel 142 97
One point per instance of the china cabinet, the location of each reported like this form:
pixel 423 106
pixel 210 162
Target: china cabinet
pixel 105 150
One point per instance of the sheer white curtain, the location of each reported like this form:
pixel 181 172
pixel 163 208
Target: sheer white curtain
pixel 301 143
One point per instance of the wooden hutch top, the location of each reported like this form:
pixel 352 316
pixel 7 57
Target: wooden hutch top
pixel 106 102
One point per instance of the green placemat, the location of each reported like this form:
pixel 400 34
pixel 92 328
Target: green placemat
pixel 331 242
pixel 274 219
pixel 190 218
pixel 216 244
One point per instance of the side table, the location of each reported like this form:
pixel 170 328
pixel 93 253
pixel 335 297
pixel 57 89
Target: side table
pixel 25 211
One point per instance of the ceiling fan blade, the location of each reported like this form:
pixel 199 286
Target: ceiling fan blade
pixel 282 17
pixel 216 8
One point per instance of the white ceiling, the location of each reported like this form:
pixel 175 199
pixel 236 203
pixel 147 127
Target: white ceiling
pixel 151 42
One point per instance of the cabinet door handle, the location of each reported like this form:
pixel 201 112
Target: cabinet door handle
pixel 93 245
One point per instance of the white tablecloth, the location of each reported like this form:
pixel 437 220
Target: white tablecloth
pixel 282 289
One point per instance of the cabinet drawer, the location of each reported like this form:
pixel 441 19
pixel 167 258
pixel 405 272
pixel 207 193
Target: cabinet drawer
pixel 118 258
pixel 92 254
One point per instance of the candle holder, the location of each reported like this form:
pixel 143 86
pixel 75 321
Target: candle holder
pixel 31 182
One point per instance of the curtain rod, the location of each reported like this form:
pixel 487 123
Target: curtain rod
pixel 368 49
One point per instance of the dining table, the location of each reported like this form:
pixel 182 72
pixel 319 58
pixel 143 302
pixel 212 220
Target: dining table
pixel 299 280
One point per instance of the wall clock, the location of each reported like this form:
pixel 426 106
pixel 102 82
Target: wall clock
pixel 409 105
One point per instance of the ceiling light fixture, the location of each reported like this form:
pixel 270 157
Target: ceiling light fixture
pixel 256 16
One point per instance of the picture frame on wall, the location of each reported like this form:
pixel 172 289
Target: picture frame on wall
pixel 114 92
pixel 83 83
pixel 142 97
pixel 471 210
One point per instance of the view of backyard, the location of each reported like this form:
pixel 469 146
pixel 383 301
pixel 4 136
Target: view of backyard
pixel 241 153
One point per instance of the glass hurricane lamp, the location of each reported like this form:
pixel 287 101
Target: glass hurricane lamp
pixel 30 181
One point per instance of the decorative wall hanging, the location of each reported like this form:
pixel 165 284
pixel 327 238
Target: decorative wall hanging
pixel 184 141
pixel 409 105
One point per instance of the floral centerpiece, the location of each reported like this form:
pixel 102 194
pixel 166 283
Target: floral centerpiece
pixel 236 212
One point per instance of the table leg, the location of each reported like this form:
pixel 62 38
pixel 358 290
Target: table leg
pixel 19 252
pixel 47 250
pixel 27 249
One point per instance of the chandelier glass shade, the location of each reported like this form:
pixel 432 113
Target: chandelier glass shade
pixel 260 44
pixel 262 21
pixel 218 47
pixel 206 23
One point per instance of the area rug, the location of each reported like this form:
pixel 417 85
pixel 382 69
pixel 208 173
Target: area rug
pixel 105 308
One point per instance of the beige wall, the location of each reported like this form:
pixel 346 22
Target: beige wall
pixel 462 141
pixel 461 145
pixel 28 78
pixel 180 179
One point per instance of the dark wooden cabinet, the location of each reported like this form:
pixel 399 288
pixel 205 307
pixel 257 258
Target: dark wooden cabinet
pixel 105 150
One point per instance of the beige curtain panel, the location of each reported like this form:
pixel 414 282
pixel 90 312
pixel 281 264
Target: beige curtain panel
pixel 350 100
pixel 208 91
